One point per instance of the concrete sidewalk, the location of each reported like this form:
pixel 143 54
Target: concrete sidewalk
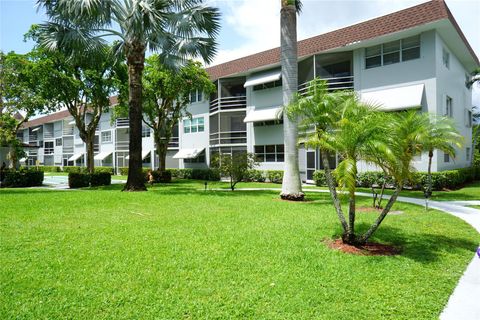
pixel 464 303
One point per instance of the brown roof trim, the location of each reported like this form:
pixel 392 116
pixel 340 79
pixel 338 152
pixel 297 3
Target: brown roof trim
pixel 48 118
pixel 394 22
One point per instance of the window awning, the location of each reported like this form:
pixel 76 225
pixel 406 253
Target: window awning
pixel 22 160
pixel 263 78
pixel 36 129
pixel 144 154
pixel 71 122
pixel 102 155
pixel 188 153
pixel 269 114
pixel 75 157
pixel 396 98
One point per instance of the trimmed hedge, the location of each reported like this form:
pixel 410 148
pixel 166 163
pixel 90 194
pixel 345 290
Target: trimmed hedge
pixel 450 179
pixel 100 179
pixel 108 170
pixel 255 176
pixel 82 180
pixel 50 168
pixel 23 178
pixel 73 169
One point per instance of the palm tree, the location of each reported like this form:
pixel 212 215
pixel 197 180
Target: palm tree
pixel 178 29
pixel 440 135
pixel 291 184
pixel 338 122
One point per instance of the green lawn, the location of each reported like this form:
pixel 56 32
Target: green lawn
pixel 175 252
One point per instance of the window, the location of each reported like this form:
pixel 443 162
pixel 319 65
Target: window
pixel 145 132
pixel 199 159
pixel 270 153
pixel 468 120
pixel 392 52
pixel 446 157
pixel 448 106
pixel 194 125
pixel 58 142
pixel 467 151
pixel 107 136
pixel 268 85
pixel 446 59
pixel 196 96
pixel 48 145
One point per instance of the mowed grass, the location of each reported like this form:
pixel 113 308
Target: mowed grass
pixel 176 252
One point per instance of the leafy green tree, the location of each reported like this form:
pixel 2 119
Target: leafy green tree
pixel 475 78
pixel 83 86
pixel 177 29
pixel 19 99
pixel 235 166
pixel 166 95
pixel 291 184
pixel 441 134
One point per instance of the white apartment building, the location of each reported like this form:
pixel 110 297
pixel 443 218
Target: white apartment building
pixel 414 58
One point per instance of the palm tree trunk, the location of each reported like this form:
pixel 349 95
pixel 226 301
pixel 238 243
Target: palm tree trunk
pixel 291 184
pixel 429 174
pixel 135 62
pixel 333 192
pixel 363 239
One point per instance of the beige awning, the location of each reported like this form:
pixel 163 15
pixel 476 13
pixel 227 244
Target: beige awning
pixel 102 155
pixel 263 78
pixel 188 153
pixel 395 99
pixel 261 115
pixel 144 155
pixel 75 157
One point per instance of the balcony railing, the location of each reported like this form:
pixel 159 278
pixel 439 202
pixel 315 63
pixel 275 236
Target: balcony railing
pixel 121 145
pixel 68 149
pixel 68 129
pixel 228 137
pixel 174 143
pixel 228 103
pixel 33 138
pixel 122 123
pixel 47 151
pixel 338 83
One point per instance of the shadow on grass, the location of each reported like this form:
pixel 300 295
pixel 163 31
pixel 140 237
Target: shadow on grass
pixel 422 247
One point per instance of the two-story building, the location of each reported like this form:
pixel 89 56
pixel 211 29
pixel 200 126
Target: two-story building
pixel 414 58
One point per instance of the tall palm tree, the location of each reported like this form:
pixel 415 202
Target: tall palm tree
pixel 177 29
pixel 441 135
pixel 291 184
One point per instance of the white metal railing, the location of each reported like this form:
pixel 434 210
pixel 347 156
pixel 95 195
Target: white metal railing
pixel 68 149
pixel 121 145
pixel 228 103
pixel 228 137
pixel 68 129
pixel 174 143
pixel 33 138
pixel 122 122
pixel 337 83
pixel 47 151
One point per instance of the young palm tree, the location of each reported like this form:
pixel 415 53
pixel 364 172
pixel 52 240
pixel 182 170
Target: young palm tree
pixel 338 122
pixel 291 184
pixel 441 135
pixel 177 29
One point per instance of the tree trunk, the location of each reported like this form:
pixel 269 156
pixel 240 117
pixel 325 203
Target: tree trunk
pixel 89 141
pixel 429 174
pixel 162 147
pixel 135 63
pixel 333 192
pixel 291 184
pixel 363 239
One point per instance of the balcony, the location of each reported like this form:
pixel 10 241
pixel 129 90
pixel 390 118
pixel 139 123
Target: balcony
pixel 334 84
pixel 121 145
pixel 122 123
pixel 228 103
pixel 228 137
pixel 174 143
pixel 47 151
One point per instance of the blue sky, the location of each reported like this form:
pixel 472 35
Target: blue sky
pixel 250 26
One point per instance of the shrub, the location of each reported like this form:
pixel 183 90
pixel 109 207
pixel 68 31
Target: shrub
pixel 23 178
pixel 319 178
pixel 275 176
pixel 162 177
pixel 206 174
pixel 184 173
pixel 104 169
pixel 255 176
pixel 235 166
pixel 78 180
pixel 50 169
pixel 74 169
pixel 100 179
pixel 123 171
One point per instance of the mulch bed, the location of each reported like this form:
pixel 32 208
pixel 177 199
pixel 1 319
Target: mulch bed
pixel 369 249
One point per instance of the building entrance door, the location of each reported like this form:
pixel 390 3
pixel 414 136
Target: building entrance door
pixel 310 165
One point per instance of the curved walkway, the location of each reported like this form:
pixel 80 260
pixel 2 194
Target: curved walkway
pixel 464 302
